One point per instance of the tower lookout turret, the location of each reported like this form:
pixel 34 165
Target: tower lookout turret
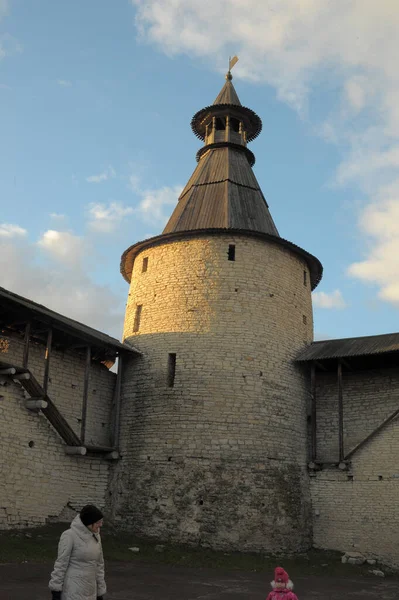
pixel 214 429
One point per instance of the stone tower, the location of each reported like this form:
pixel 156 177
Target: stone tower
pixel 214 423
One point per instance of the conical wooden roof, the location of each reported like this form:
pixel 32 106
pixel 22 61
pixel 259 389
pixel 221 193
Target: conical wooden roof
pixel 228 95
pixel 222 193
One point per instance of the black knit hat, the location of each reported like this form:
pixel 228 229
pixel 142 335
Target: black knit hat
pixel 90 514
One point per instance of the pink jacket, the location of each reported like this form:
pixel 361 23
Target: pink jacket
pixel 282 595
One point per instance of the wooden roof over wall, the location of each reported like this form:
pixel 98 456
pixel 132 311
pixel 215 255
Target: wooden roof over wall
pixel 373 352
pixel 16 311
pixel 349 347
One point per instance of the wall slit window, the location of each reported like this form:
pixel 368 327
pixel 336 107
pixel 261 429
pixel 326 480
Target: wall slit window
pixel 137 318
pixel 171 369
pixel 231 255
pixel 145 265
pixel 305 278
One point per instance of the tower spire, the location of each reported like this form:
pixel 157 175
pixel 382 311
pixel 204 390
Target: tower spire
pixel 223 194
pixel 227 94
pixel 223 191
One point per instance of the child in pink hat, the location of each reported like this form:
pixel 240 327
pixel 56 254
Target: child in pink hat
pixel 282 586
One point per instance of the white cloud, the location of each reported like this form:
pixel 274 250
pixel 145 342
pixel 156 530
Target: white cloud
pixel 9 45
pixel 155 205
pixel 356 90
pixel 8 230
pixel 106 218
pixel 154 208
pixel 380 223
pixel 57 216
pixel 325 300
pixel 70 291
pixel 296 46
pixel 108 173
pixel 134 183
pixel 365 163
pixel 283 42
pixel 63 246
pixel 64 82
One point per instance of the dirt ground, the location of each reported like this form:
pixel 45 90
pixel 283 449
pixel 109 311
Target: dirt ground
pixel 136 581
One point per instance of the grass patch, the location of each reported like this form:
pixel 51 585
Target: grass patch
pixel 32 545
pixel 40 545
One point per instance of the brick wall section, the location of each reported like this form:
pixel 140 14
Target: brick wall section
pixel 38 482
pixel 368 398
pixel 358 510
pixel 65 387
pixel 227 444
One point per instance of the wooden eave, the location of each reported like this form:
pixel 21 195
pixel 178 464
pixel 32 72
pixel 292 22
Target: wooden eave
pixel 252 121
pixel 364 352
pixel 366 362
pixel 128 257
pixel 16 312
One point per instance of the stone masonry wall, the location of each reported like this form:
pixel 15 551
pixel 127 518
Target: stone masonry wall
pixel 358 509
pixel 37 479
pixel 219 458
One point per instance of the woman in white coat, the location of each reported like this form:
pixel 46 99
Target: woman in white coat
pixel 79 569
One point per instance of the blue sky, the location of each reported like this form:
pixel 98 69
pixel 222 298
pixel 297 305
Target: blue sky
pixel 96 101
